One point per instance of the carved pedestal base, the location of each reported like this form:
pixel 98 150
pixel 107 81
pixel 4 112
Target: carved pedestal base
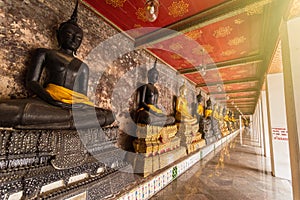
pixel 194 146
pixel 190 138
pixel 154 140
pixel 145 166
pixel 216 129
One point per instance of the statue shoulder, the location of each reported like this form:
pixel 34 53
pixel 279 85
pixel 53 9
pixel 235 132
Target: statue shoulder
pixel 43 52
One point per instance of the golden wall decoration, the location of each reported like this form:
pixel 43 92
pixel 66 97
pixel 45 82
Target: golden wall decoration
pixel 176 46
pixel 228 52
pixel 194 35
pixel 236 41
pixel 238 21
pixel 222 31
pixel 178 8
pixel 116 3
pixel 256 8
pixel 141 15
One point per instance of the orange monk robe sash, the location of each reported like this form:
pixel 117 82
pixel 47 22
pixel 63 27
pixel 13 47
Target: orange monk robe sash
pixel 66 95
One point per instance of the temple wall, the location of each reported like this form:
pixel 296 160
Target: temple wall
pixel 29 24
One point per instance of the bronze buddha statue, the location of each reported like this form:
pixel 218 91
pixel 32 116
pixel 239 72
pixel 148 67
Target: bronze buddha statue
pixel 148 111
pixel 63 92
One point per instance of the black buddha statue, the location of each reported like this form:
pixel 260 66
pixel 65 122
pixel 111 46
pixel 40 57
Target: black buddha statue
pixel 200 112
pixel 63 92
pixel 148 111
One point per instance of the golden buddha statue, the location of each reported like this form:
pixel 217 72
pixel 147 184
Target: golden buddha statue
pixel 216 112
pixel 182 112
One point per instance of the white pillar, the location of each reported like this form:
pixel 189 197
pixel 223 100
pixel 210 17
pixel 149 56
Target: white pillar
pixel 265 123
pixel 278 126
pixel 241 130
pixel 291 62
pixel 251 126
pixel 261 130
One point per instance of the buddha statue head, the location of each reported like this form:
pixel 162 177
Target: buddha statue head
pixel 199 97
pixel 153 74
pixel 69 34
pixel 182 90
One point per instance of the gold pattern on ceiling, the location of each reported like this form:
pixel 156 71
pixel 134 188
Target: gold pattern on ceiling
pixel 256 8
pixel 176 46
pixel 116 3
pixel 236 41
pixel 175 56
pixel 238 21
pixel 194 35
pixel 178 9
pixel 208 48
pixel 190 61
pixel 228 52
pixel 222 31
pixel 141 15
pixel 295 10
pixel 197 51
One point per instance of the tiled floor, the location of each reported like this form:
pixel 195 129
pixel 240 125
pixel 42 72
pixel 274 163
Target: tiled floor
pixel 237 172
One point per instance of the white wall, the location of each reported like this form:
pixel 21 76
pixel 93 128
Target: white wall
pixel 278 126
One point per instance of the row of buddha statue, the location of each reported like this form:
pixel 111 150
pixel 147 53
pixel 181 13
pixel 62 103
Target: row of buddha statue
pixel 64 92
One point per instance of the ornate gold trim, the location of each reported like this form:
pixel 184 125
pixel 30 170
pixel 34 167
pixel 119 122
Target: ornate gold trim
pixel 238 21
pixel 228 52
pixel 141 15
pixel 256 8
pixel 236 41
pixel 194 35
pixel 176 46
pixel 116 3
pixel 178 9
pixel 222 31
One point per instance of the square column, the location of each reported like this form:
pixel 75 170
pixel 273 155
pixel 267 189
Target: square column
pixel 264 109
pixel 278 126
pixel 291 61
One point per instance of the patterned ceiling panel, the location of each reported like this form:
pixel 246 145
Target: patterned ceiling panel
pixel 236 36
pixel 251 99
pixel 225 74
pixel 242 94
pixel 132 15
pixel 229 39
pixel 240 86
pixel 231 87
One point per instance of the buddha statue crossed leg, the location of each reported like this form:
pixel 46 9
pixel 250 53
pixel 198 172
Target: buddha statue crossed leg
pixel 63 92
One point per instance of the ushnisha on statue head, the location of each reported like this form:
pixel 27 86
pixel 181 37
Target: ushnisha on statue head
pixel 69 34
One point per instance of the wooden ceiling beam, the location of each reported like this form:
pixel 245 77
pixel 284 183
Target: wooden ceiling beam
pixel 218 13
pixel 246 80
pixel 223 65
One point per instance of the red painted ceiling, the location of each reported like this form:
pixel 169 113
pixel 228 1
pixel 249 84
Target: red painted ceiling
pixel 233 38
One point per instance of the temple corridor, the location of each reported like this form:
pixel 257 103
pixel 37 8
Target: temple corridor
pixel 234 172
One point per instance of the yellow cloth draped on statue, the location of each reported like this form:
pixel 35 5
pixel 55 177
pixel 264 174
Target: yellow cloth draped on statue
pixel 200 109
pixel 66 95
pixel 153 108
pixel 208 113
pixel 226 118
